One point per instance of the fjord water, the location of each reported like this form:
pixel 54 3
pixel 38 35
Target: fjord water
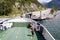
pixel 53 26
pixel 58 0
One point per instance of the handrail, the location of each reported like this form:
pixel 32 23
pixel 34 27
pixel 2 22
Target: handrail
pixel 46 30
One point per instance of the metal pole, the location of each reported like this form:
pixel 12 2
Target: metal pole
pixel 40 14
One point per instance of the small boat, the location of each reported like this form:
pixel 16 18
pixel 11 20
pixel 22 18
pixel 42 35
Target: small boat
pixel 17 29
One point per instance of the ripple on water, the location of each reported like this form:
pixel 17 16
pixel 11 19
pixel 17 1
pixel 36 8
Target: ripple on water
pixel 53 26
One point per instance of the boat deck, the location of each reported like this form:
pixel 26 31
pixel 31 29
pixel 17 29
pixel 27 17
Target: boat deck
pixel 19 33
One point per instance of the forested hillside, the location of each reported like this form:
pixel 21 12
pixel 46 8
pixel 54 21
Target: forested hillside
pixel 8 7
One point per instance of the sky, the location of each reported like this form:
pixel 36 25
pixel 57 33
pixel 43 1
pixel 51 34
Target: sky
pixel 44 1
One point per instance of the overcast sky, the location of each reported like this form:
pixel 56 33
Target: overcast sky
pixel 44 1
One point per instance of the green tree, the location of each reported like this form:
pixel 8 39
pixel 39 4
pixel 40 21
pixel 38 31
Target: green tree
pixel 52 10
pixel 5 8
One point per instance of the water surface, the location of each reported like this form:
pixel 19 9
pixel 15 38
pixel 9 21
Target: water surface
pixel 53 26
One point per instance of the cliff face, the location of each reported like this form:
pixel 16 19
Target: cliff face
pixel 28 5
pixel 19 6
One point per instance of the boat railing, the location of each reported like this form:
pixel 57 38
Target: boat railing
pixel 47 35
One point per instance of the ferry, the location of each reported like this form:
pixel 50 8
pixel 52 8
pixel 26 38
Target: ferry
pixel 17 29
pixel 39 15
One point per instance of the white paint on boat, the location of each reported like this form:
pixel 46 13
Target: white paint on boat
pixel 47 34
pixel 21 20
pixel 8 24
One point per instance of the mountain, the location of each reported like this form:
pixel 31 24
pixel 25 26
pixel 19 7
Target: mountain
pixel 28 6
pixel 55 3
pixel 19 6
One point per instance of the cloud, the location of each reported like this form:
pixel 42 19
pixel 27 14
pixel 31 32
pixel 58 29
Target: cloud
pixel 44 1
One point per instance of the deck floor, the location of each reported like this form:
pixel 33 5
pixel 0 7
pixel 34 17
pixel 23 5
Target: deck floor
pixel 17 33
